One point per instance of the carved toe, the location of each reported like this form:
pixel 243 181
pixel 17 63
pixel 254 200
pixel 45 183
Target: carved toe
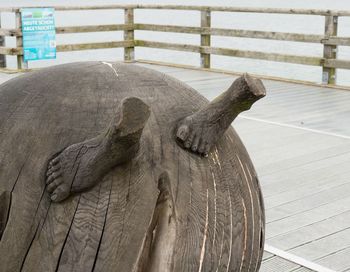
pixel 206 150
pixel 53 176
pixel 54 184
pixel 188 142
pixel 182 132
pixel 195 143
pixel 53 169
pixel 60 193
pixel 201 147
pixel 54 161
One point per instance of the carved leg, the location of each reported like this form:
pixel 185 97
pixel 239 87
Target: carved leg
pixel 82 165
pixel 201 130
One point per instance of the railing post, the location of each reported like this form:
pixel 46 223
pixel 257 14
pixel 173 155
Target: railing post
pixel 21 64
pixel 129 52
pixel 205 38
pixel 330 51
pixel 2 43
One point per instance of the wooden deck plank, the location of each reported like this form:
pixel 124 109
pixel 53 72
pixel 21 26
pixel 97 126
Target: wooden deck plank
pixel 307 190
pixel 338 261
pixel 304 219
pixel 311 233
pixel 302 269
pixel 267 255
pixel 324 247
pixel 284 164
pixel 278 264
pixel 277 182
pixel 307 203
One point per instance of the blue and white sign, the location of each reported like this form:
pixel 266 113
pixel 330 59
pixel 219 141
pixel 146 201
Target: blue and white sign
pixel 39 35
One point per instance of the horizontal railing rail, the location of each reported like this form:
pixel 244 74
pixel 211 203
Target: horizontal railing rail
pixel 321 12
pixel 330 40
pixel 239 33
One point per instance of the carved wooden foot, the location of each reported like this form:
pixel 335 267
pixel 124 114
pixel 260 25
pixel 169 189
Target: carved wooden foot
pixel 82 165
pixel 201 130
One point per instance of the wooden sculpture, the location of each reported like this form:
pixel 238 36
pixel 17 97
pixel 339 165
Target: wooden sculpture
pixel 115 167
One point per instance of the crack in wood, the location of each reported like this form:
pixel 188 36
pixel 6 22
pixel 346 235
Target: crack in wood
pixel 65 239
pixel 103 228
pixel 158 247
pixel 5 206
pixel 30 245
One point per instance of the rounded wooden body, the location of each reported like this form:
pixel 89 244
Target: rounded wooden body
pixel 166 210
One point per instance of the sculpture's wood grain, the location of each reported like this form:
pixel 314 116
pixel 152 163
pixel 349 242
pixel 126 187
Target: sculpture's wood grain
pixel 212 206
pixel 81 247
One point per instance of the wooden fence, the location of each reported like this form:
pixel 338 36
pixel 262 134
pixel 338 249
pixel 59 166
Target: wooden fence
pixel 329 62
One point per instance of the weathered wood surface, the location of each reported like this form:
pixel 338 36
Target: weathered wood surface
pixel 89 46
pixel 10 51
pixel 2 43
pixel 129 52
pixel 243 33
pixel 19 43
pixel 307 174
pixel 185 47
pixel 232 52
pixel 73 47
pixel 305 183
pixel 205 38
pixel 216 218
pixel 334 63
pixel 92 28
pixel 73 29
pixel 10 32
pixel 330 51
pixel 321 12
pixel 254 34
pixel 330 40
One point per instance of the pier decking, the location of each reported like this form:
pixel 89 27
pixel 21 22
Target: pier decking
pixel 299 140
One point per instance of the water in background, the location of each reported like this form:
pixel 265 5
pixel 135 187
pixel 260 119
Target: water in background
pixel 266 22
